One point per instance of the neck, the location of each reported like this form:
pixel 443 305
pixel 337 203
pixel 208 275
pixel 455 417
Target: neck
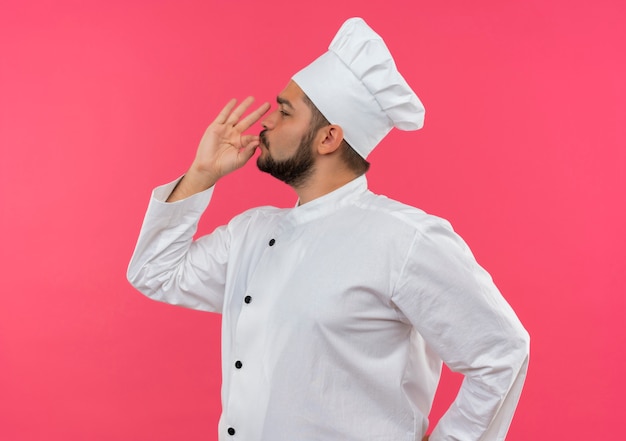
pixel 322 182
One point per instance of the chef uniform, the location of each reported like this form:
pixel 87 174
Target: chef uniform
pixel 337 313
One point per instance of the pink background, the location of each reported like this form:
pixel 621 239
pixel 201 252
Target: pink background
pixel 524 151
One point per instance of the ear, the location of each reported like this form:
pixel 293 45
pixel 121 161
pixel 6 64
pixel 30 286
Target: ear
pixel 332 135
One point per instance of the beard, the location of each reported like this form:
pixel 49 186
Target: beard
pixel 292 171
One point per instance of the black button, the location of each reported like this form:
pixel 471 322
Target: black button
pixel 247 299
pixel 272 242
pixel 238 364
pixel 231 431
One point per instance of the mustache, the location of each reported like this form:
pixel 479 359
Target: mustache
pixel 263 137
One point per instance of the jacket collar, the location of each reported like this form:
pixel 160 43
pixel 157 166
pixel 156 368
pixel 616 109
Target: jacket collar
pixel 329 203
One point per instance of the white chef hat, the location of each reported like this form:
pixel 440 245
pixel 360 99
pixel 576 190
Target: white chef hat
pixel 357 86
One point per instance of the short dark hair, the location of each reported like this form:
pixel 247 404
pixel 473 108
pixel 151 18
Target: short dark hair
pixel 353 160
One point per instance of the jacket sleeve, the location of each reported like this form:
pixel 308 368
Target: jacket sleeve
pixel 168 265
pixel 453 303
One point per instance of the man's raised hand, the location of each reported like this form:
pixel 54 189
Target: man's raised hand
pixel 223 148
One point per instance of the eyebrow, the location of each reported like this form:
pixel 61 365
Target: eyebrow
pixel 284 102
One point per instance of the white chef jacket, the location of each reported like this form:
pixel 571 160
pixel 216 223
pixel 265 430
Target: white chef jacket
pixel 337 315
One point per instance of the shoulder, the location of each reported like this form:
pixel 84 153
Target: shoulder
pixel 399 214
pixel 263 214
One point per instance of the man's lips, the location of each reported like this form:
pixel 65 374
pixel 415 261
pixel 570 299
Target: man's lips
pixel 263 140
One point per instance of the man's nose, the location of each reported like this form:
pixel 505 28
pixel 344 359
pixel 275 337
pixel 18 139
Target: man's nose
pixel 269 121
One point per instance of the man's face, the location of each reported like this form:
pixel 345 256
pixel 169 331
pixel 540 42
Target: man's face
pixel 286 141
